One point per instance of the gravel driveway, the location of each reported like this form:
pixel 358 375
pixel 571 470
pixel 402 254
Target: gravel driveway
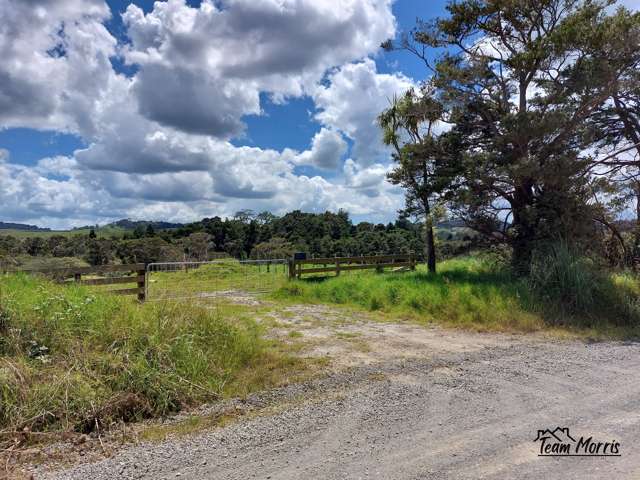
pixel 441 405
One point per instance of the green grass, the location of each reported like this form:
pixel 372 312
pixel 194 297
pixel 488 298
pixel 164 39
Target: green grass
pixel 470 293
pixel 103 232
pixel 71 359
pixel 223 275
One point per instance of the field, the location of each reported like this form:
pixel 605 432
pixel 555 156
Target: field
pixel 104 232
pixel 214 279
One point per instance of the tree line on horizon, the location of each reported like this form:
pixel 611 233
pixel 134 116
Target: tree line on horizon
pixel 246 235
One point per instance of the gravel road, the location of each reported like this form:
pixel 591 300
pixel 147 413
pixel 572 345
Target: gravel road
pixel 450 405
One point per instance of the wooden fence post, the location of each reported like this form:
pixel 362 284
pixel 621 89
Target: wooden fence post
pixel 142 294
pixel 292 266
pixel 337 268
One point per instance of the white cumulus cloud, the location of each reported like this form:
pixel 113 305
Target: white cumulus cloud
pixel 158 141
pixel 351 102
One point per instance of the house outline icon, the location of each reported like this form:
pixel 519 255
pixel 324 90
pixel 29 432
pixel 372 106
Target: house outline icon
pixel 562 435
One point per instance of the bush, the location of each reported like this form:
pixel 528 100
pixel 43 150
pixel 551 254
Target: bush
pixel 578 287
pixel 560 275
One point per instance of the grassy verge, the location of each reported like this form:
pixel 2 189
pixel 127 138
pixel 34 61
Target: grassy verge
pixel 74 360
pixel 223 275
pixel 471 293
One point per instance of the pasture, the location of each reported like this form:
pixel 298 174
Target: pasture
pixel 101 232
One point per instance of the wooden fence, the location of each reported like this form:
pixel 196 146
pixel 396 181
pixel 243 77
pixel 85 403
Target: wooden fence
pixel 341 264
pixel 101 276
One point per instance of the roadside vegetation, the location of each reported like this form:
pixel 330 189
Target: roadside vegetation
pixel 564 291
pixel 72 360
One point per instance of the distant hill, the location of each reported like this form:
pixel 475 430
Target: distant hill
pixel 128 224
pixel 133 224
pixel 22 226
pixel 453 223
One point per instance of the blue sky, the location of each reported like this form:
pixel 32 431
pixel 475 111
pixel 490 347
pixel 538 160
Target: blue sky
pixel 182 109
pixel 279 127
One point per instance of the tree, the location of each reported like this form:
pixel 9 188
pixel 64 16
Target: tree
pixel 616 124
pixel 276 247
pixel 519 80
pixel 92 233
pixel 139 231
pixel 147 250
pixel 409 126
pixel 99 252
pixel 196 246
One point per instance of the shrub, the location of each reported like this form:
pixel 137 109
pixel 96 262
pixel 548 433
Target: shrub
pixel 575 285
pixel 560 275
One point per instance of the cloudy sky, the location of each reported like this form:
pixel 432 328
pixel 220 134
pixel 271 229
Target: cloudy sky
pixel 181 109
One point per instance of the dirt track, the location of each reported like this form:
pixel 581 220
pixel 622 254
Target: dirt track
pixel 405 402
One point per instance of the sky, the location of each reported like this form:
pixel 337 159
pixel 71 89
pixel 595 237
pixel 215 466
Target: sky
pixel 182 109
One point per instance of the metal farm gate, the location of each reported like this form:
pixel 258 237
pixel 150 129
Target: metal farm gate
pixel 216 279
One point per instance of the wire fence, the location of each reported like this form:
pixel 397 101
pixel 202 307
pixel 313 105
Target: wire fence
pixel 216 279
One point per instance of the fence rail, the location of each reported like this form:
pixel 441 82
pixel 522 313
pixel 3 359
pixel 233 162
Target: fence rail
pixel 134 273
pixel 213 278
pixel 341 264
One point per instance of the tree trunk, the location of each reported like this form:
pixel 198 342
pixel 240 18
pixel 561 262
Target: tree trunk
pixel 522 256
pixel 524 237
pixel 430 247
pixel 429 241
pixel 636 239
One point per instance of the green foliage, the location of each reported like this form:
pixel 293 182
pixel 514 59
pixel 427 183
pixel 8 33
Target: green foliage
pixel 409 127
pixel 274 248
pixel 147 250
pixel 258 236
pixel 465 292
pixel 577 286
pixel 481 293
pixel 70 358
pixel 520 106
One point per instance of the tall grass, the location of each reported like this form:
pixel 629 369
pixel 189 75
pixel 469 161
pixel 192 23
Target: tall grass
pixel 574 287
pixel 476 293
pixel 466 292
pixel 71 359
